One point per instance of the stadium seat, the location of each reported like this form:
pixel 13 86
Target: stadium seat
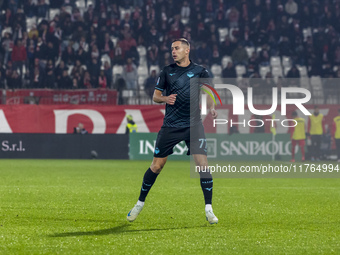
pixel 141 80
pixel 105 58
pixel 123 12
pixel 306 32
pixel 154 67
pixel 127 93
pixel 286 70
pixel 277 71
pixel 225 61
pixel 141 50
pixel 30 22
pixel 142 70
pixel 317 89
pixel 264 70
pixel 286 61
pixel 240 70
pixel 303 71
pixel 68 9
pixel 275 61
pixel 231 33
pixel 216 70
pixel 91 2
pixel 80 4
pixel 114 40
pixel 218 80
pixel 185 21
pixel 40 20
pixel 117 69
pixel 250 50
pixel 223 32
pixel 54 12
pixel 142 60
pixel 70 68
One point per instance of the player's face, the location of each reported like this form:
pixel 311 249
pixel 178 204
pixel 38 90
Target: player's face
pixel 179 51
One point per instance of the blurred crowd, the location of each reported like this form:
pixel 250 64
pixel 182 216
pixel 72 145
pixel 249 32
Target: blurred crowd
pixel 68 44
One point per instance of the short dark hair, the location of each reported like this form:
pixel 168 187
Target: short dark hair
pixel 294 114
pixel 182 40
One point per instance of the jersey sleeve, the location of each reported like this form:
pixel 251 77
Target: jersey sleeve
pixel 161 82
pixel 206 78
pixel 205 74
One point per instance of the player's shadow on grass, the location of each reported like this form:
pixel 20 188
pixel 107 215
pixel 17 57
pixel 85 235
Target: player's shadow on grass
pixel 123 228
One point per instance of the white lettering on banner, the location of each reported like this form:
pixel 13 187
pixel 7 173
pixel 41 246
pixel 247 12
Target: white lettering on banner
pixel 81 98
pixel 6 146
pixel 4 126
pixel 149 146
pixel 180 149
pixel 141 146
pixel 137 118
pixel 61 119
pixel 255 148
pixel 146 147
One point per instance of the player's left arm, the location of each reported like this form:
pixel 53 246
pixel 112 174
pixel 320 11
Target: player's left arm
pixel 210 102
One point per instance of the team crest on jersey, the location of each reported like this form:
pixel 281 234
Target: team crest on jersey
pixel 190 74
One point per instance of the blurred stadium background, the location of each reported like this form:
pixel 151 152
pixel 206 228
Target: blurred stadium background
pixel 63 62
pixel 121 45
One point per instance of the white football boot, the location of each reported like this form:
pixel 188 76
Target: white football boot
pixel 211 218
pixel 134 212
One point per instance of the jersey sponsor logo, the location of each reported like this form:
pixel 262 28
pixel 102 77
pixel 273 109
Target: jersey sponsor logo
pixel 190 74
pixel 171 74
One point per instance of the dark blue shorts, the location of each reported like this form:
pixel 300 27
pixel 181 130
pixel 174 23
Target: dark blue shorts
pixel 168 137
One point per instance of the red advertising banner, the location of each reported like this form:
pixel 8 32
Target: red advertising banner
pixel 61 119
pixel 52 96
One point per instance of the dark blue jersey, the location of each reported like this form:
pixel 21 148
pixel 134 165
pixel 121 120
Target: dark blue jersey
pixel 174 79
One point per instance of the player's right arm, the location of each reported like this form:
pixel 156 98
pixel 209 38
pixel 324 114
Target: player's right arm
pixel 159 98
pixel 160 87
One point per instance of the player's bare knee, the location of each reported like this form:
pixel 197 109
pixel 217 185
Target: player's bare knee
pixel 156 167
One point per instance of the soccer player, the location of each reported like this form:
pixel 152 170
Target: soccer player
pixel 298 136
pixel 179 122
pixel 316 130
pixel 336 133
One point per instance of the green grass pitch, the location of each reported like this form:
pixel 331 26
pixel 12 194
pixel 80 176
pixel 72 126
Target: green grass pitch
pixel 80 207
